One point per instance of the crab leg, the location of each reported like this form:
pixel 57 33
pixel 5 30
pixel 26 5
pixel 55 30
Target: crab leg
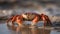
pixel 44 19
pixel 35 20
pixel 14 19
pixel 48 21
pixel 20 20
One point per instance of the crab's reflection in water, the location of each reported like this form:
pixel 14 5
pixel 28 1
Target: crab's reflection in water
pixel 26 30
pixel 40 31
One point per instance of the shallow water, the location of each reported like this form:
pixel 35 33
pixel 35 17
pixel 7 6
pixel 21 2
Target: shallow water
pixel 6 29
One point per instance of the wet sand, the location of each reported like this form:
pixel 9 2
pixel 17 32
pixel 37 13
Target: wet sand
pixel 6 29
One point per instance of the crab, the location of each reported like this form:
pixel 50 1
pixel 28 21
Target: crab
pixel 34 17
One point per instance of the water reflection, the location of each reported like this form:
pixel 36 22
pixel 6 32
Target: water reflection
pixel 25 30
pixel 19 30
pixel 40 31
pixel 6 29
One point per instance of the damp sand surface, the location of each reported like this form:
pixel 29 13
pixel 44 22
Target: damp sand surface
pixel 6 29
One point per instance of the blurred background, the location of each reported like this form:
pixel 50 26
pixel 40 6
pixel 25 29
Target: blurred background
pixel 13 7
pixel 51 8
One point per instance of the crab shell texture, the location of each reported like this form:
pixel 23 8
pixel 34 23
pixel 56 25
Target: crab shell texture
pixel 29 16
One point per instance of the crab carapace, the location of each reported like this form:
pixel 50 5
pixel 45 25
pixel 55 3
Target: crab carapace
pixel 34 17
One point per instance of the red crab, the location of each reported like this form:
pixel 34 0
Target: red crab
pixel 34 17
